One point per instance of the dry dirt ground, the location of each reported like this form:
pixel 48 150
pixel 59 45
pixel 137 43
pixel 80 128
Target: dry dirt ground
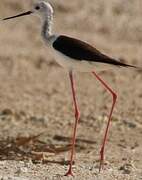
pixel 36 114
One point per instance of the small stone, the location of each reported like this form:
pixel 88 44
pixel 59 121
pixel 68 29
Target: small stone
pixel 126 168
pixel 6 112
pixel 22 170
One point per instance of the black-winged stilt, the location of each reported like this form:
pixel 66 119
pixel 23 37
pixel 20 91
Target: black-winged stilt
pixel 75 55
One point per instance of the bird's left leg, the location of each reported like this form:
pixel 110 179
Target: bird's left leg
pixel 114 97
pixel 77 117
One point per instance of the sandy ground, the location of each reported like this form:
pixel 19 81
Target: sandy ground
pixel 36 115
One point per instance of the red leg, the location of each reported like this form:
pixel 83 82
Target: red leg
pixel 114 96
pixel 77 116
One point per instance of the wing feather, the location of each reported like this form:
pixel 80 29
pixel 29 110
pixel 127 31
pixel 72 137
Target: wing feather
pixel 80 50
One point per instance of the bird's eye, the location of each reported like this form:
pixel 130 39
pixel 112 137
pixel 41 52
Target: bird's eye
pixel 37 7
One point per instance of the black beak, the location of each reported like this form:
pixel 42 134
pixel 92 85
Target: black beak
pixel 23 14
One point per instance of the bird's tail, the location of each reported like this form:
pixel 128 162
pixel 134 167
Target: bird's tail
pixel 131 66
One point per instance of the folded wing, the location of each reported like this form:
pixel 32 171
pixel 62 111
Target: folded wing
pixel 80 50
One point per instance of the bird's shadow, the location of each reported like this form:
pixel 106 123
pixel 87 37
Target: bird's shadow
pixel 31 148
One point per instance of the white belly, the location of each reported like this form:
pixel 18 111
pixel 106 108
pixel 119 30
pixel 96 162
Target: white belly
pixel 77 65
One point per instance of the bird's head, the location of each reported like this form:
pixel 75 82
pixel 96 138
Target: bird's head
pixel 41 8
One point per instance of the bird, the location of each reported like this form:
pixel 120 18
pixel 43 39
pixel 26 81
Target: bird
pixel 75 55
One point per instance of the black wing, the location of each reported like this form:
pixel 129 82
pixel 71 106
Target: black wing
pixel 80 50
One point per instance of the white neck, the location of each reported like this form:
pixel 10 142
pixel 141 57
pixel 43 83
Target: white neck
pixel 47 27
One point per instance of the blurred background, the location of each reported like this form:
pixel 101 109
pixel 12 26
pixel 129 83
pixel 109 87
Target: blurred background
pixel 35 92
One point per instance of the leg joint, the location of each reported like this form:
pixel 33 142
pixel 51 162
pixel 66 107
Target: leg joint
pixel 77 114
pixel 114 96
